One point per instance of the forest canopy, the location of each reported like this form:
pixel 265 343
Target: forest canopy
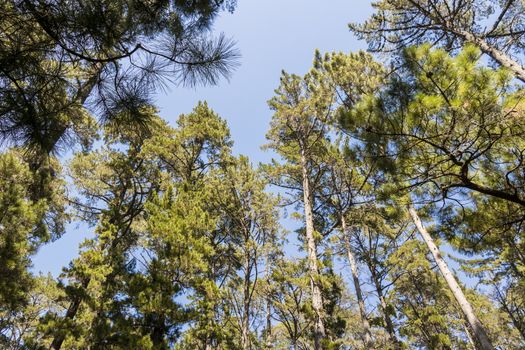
pixel 403 167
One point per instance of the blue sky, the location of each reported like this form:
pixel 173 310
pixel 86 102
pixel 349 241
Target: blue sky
pixel 272 35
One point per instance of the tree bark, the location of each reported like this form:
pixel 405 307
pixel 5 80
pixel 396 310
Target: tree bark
pixel 469 337
pixel 245 336
pixel 497 55
pixel 208 345
pixel 268 332
pixel 474 323
pixel 71 312
pixel 357 286
pixel 317 301
pixel 389 325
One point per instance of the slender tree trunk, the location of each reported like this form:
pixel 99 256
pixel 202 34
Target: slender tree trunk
pixel 386 315
pixel 158 331
pixel 474 323
pixel 245 336
pixel 469 336
pixel 317 301
pixel 71 312
pixel 359 294
pixel 389 325
pixel 268 332
pixel 497 55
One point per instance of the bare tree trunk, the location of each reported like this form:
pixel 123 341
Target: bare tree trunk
pixel 469 336
pixel 268 334
pixel 497 55
pixel 268 331
pixel 245 336
pixel 474 323
pixel 389 325
pixel 317 301
pixel 359 294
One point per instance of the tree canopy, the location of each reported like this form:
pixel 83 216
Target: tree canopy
pixel 404 178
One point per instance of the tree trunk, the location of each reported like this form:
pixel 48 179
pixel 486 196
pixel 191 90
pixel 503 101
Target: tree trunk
pixel 474 323
pixel 71 312
pixel 158 331
pixel 389 325
pixel 469 336
pixel 208 345
pixel 497 55
pixel 268 335
pixel 245 336
pixel 268 332
pixel 317 301
pixel 359 294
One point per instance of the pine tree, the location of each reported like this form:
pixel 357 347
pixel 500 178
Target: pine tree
pixel 422 300
pixel 344 188
pixel 489 233
pixel 441 119
pixel 298 133
pixel 241 198
pixel 399 24
pixel 475 325
pixel 113 184
pixel 22 231
pixel 58 56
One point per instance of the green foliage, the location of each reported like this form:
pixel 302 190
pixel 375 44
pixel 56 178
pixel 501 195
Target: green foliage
pixel 421 298
pixel 398 24
pixel 22 230
pixel 187 251
pixel 58 55
pixel 453 125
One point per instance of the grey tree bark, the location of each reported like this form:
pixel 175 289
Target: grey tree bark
pixel 497 55
pixel 477 328
pixel 268 315
pixel 357 286
pixel 245 336
pixel 311 245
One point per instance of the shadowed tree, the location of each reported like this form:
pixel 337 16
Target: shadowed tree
pixel 59 57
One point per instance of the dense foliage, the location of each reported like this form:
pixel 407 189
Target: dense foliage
pixel 406 181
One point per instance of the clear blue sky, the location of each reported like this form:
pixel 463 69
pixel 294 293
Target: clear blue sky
pixel 272 35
